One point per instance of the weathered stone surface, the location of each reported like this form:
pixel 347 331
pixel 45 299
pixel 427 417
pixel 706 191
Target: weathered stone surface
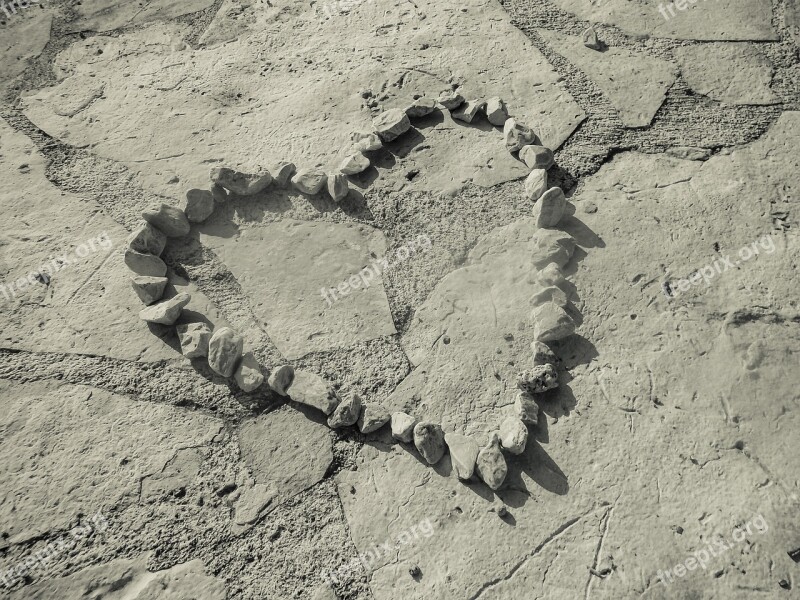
pixel 450 99
pixel 194 338
pixel 421 107
pixel 491 465
pixel 542 354
pixel 338 188
pixel 324 592
pixel 281 378
pixel 366 142
pixel 248 374
pixel 429 441
pixel 165 312
pixel 589 39
pixel 635 83
pixel 199 205
pixel 539 379
pixel 148 240
pixel 551 275
pixel 148 265
pixel 468 110
pixel 517 135
pixel 310 389
pixel 241 184
pixel 149 289
pixel 549 209
pixel 526 409
pixel 254 503
pixel 320 256
pixel 282 173
pixel 496 111
pixel 463 454
pixel 551 294
pixel 403 427
pixel 287 450
pixel 391 124
pixel 224 351
pixel 347 413
pixel 354 164
pixel 552 322
pixel 169 219
pixel 535 184
pixel 107 15
pixel 309 181
pixel 537 157
pixel 373 416
pixel 730 73
pixel 513 435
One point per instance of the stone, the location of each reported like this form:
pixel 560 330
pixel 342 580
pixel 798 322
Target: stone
pixel 498 507
pixel 169 219
pixel 241 184
pixel 248 374
pixel 148 240
pixel 589 38
pixel 551 275
pixel 310 389
pixel 551 322
pixel 421 107
pixel 253 503
pixel 513 435
pixel 149 289
pixel 280 379
pixel 463 454
pixel 403 427
pixel 517 135
pixel 553 246
pixel 468 110
pixel 491 465
pixel 537 380
pixel 166 312
pixel 199 205
pixel 549 209
pixel 542 354
pixel 391 124
pixel 282 173
pixel 526 409
pixel 373 416
pixel 219 193
pixel 142 263
pixel 194 338
pixel 309 181
pixel 496 111
pixel 429 441
pixel 536 157
pixel 535 184
pixel 338 188
pixel 224 351
pixel 550 294
pixel 354 164
pixel 347 413
pixel 450 99
pixel 366 142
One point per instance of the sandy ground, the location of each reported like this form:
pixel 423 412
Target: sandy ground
pixel 661 467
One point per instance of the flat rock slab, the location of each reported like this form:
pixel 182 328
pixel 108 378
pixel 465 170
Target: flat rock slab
pixel 733 20
pixel 154 89
pixel 730 73
pixel 635 83
pixel 107 15
pixel 25 35
pixel 64 447
pixel 288 451
pixel 282 269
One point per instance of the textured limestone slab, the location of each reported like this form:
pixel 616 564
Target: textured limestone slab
pixel 25 34
pixel 636 84
pixel 732 20
pixel 195 95
pixel 282 268
pixel 63 451
pixel 129 579
pixel 106 15
pixel 88 306
pixel 730 73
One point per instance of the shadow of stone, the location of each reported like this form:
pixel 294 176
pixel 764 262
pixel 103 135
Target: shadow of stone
pixel 402 146
pixel 584 236
pixel 541 431
pixel 430 120
pixel 575 350
pixel 539 467
pixel 355 205
pixel 479 488
pixel 558 402
pixel 380 158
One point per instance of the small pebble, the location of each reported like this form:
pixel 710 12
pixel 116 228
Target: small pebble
pixel 149 289
pixel 347 413
pixel 536 157
pixel 549 209
pixel 391 124
pixel 589 207
pixel 373 416
pixel 309 181
pixel 194 338
pixel 142 263
pixel 542 354
pixel 590 40
pixel 429 440
pixel 241 184
pixel 526 409
pixel 513 435
pixel 468 111
pixel 421 107
pixel 450 99
pixel 538 379
pixel 147 240
pixel 551 322
pixel 282 173
pixel 170 220
pixel 491 464
pixel 366 142
pixel 354 164
pixel 550 294
pixel 403 427
pixel 517 135
pixel 224 351
pixel 496 111
pixel 248 374
pixel 463 454
pixel 535 184
pixel 167 312
pixel 338 188
pixel 280 379
pixel 310 389
pixel 199 205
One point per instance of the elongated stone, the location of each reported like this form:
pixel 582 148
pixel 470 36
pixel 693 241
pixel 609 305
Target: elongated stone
pixel 338 188
pixel 526 409
pixel 450 99
pixel 373 416
pixel 549 209
pixel 280 379
pixel 142 263
pixel 248 374
pixel 148 240
pixel 391 124
pixel 463 454
pixel 491 464
pixel 536 157
pixel 310 389
pixel 535 184
pixel 309 181
pixel 496 111
pixel 149 289
pixel 403 427
pixel 354 164
pixel 517 135
pixel 429 440
pixel 282 173
pixel 468 111
pixel 551 322
pixel 169 219
pixel 421 107
pixel 513 435
pixel 166 312
pixel 199 205
pixel 347 413
pixel 224 351
pixel 194 338
pixel 241 184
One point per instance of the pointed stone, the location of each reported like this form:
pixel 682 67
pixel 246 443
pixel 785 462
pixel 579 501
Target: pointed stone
pixel 166 312
pixel 549 209
pixel 224 351
pixel 338 188
pixel 542 354
pixel 537 157
pixel 429 440
pixel 450 99
pixel 590 40
pixel 403 427
pixel 149 289
pixel 513 435
pixel 148 240
pixel 551 322
pixel 517 135
pixel 310 389
pixel 241 184
pixel 280 379
pixel 496 111
pixel 354 164
pixel 282 173
pixel 194 338
pixel 309 181
pixel 142 263
pixel 491 464
pixel 366 142
pixel 373 416
pixel 463 454
pixel 347 413
pixel 421 107
pixel 391 124
pixel 526 409
pixel 468 111
pixel 170 220
pixel 248 374
pixel 199 205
